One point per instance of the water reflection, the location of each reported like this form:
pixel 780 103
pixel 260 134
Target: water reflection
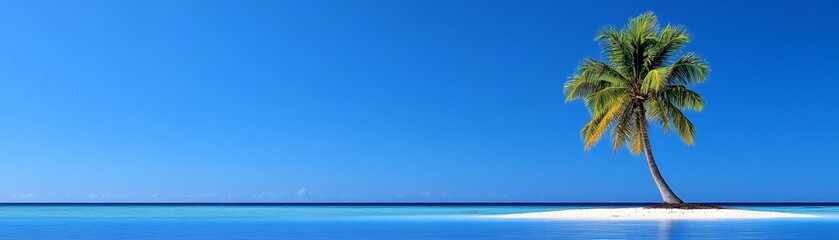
pixel 665 229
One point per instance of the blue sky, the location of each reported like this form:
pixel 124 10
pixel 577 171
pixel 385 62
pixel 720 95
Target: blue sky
pixel 395 101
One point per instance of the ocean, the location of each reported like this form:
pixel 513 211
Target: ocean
pixel 385 221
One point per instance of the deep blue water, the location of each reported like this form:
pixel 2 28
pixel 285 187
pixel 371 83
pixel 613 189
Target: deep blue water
pixel 396 221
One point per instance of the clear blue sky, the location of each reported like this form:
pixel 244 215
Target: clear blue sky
pixel 396 101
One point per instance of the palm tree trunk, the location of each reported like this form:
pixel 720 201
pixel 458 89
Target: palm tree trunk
pixel 666 193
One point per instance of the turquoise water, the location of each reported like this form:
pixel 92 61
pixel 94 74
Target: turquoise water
pixel 460 221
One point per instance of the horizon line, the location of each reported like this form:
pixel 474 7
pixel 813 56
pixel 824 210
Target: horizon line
pixel 372 203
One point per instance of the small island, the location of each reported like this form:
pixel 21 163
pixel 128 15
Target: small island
pixel 647 213
pixel 636 84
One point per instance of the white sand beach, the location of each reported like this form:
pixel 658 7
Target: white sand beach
pixel 652 214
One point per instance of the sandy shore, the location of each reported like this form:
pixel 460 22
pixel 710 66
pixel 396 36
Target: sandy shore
pixel 652 214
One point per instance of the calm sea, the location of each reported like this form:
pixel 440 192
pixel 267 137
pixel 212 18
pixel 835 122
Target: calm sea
pixel 377 221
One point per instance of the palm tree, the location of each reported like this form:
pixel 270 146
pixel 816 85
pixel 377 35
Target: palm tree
pixel 639 82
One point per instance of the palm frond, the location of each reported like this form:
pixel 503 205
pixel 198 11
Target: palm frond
pixel 625 127
pixel 669 42
pixel 617 49
pixel 657 113
pixel 642 28
pixel 578 87
pixel 591 76
pixel 641 34
pixel 593 69
pixel 601 121
pixel 689 69
pixel 680 122
pixel 602 101
pixel 682 98
pixel 636 146
pixel 655 79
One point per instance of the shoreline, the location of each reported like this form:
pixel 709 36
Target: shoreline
pixel 639 213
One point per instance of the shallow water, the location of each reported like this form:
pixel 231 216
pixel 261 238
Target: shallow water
pixel 459 221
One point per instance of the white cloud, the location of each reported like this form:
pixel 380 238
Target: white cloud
pixel 272 194
pixel 93 195
pixel 24 195
pixel 303 192
pixel 425 194
pixel 201 195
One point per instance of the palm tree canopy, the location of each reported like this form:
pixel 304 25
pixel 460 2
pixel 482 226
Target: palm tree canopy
pixel 644 74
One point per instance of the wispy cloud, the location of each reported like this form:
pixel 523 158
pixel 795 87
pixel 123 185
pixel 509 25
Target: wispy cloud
pixel 270 195
pixel 94 195
pixel 24 195
pixel 208 195
pixel 425 194
pixel 303 192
